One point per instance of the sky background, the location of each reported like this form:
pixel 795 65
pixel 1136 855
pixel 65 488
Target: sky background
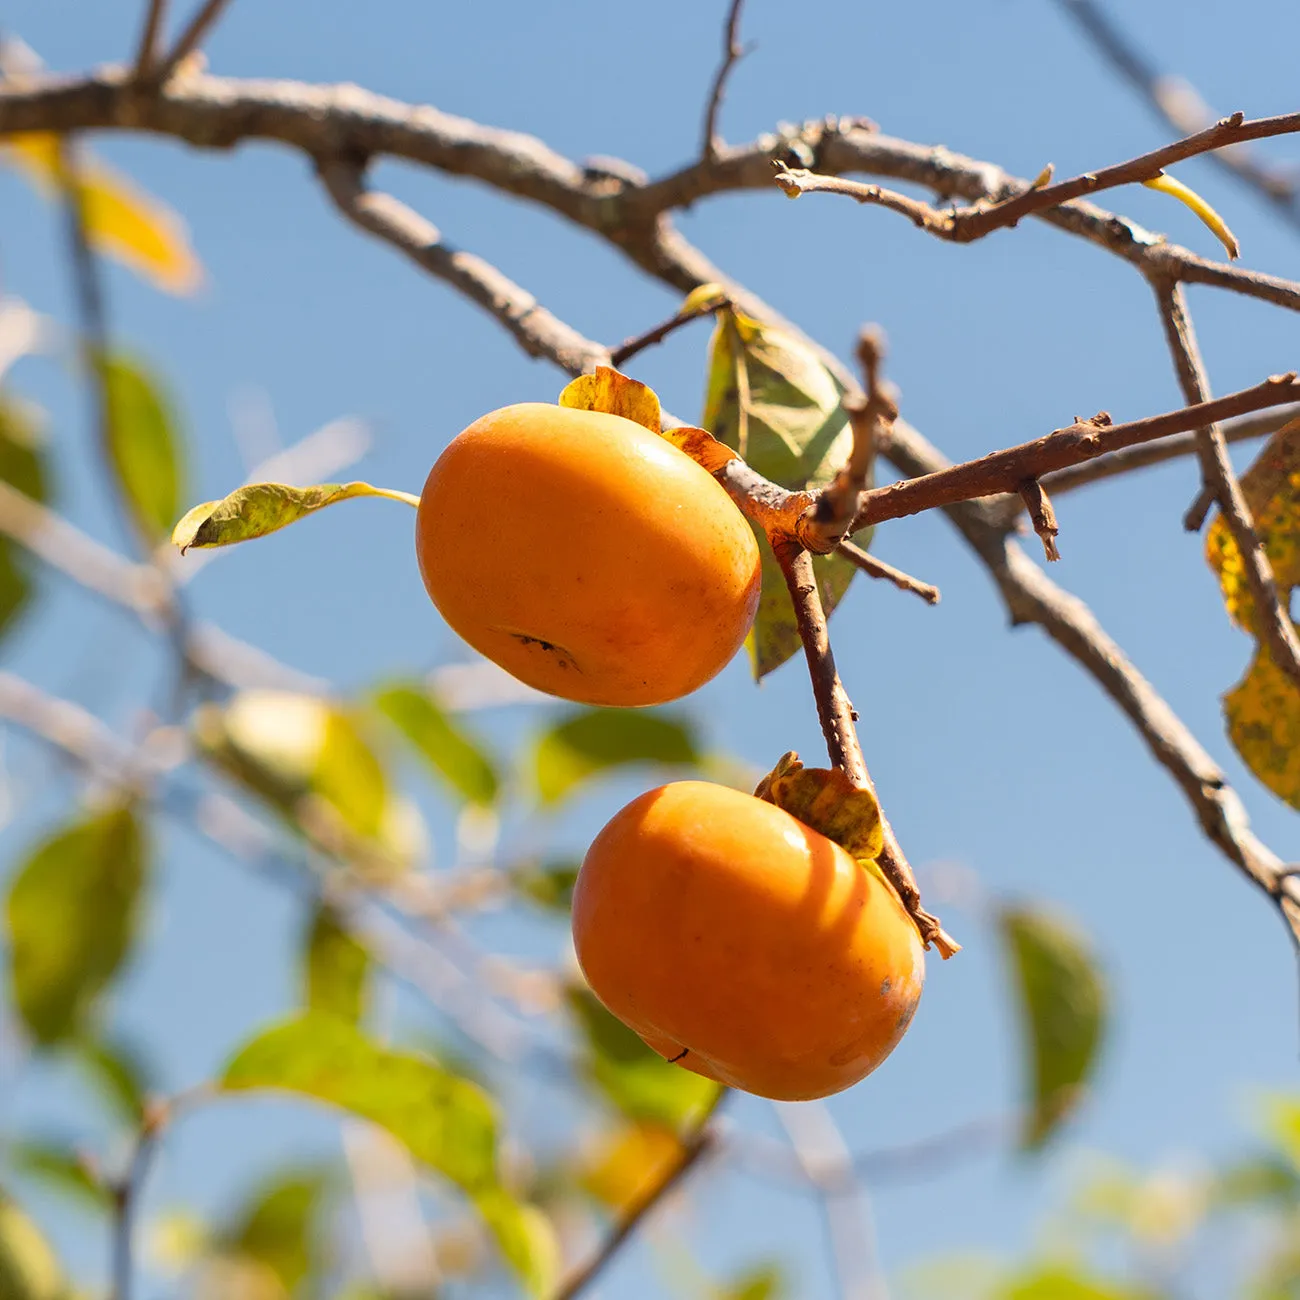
pixel 991 750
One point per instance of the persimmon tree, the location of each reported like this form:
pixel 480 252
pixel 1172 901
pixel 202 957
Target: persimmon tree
pixel 304 785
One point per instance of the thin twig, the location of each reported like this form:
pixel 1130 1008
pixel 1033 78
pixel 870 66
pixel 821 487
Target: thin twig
pixel 871 418
pixel 148 49
pixel 732 53
pixel 1041 515
pixel 639 342
pixel 1176 102
pixel 1274 620
pixel 126 1196
pixel 838 718
pixel 876 568
pixel 699 1142
pixel 189 39
pixel 536 330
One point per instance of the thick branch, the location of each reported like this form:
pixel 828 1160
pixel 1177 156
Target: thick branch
pixel 537 331
pixel 1274 620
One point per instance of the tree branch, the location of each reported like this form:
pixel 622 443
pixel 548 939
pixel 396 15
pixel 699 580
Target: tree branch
pixel 202 22
pixel 732 53
pixel 1277 630
pixel 1177 103
pixel 536 330
pixel 148 48
pixel 877 568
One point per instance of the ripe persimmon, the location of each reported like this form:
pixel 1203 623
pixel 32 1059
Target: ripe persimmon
pixel 586 555
pixel 743 944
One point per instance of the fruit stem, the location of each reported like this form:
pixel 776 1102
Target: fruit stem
pixel 838 717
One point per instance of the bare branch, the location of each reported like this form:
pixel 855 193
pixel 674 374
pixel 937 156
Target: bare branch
pixel 871 418
pixel 699 1142
pixel 1177 445
pixel 639 342
pixel 1004 471
pixel 1278 631
pixel 838 718
pixel 127 1195
pixel 202 22
pixel 877 568
pixel 1176 102
pixel 538 332
pixel 148 48
pixel 732 53
pixel 798 180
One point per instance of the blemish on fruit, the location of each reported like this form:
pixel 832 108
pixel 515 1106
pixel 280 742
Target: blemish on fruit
pixel 672 1060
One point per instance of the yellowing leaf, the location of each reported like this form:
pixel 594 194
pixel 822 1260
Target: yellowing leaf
pixel 769 398
pixel 630 1162
pixel 526 1237
pixel 274 1229
pixel 71 915
pixel 262 508
pixel 826 800
pixel 311 761
pixel 121 220
pixel 1271 487
pixel 1189 197
pixel 29 1269
pixel 611 391
pixel 22 466
pixel 144 445
pixel 1063 1011
pixel 701 446
pixel 1263 715
pixel 336 968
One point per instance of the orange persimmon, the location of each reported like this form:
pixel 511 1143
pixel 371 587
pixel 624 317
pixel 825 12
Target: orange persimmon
pixel 743 944
pixel 586 555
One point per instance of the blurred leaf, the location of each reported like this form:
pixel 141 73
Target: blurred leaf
pixel 61 1170
pixel 29 1269
pixel 629 1162
pixel 336 968
pixel 72 912
pixel 611 391
pixel 275 1227
pixel 447 1123
pixel 594 741
pixel 761 1282
pixel 121 220
pixel 310 760
pixel 1063 1009
pixel 1263 714
pixel 449 750
pixel 22 466
pixel 119 1075
pixel 1066 1282
pixel 144 445
pixel 769 397
pixel 1266 1180
pixel 637 1080
pixel 526 1237
pixel 258 509
pixel 1282 1124
pixel 550 885
pixel 826 800
pixel 1271 487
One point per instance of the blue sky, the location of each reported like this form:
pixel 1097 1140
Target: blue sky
pixel 991 750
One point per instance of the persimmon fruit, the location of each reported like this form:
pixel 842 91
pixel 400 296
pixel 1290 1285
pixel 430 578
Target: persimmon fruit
pixel 744 945
pixel 586 555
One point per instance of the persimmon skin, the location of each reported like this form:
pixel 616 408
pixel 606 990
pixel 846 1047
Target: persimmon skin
pixel 587 556
pixel 744 944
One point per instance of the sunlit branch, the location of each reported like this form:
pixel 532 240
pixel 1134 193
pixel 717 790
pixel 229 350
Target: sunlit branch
pixel 732 53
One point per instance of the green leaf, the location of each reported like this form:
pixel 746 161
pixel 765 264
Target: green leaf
pixel 1266 1180
pixel 447 1123
pixel 119 1074
pixel 22 466
pixel 770 398
pixel 1063 1010
pixel 29 1269
pixel 144 445
pixel 761 1282
pixel 275 1227
pixel 526 1237
pixel 1066 1282
pixel 594 741
pixel 72 913
pixel 312 761
pixel 549 885
pixel 61 1170
pixel 453 754
pixel 258 509
pixel 1282 1124
pixel 336 968
pixel 637 1080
